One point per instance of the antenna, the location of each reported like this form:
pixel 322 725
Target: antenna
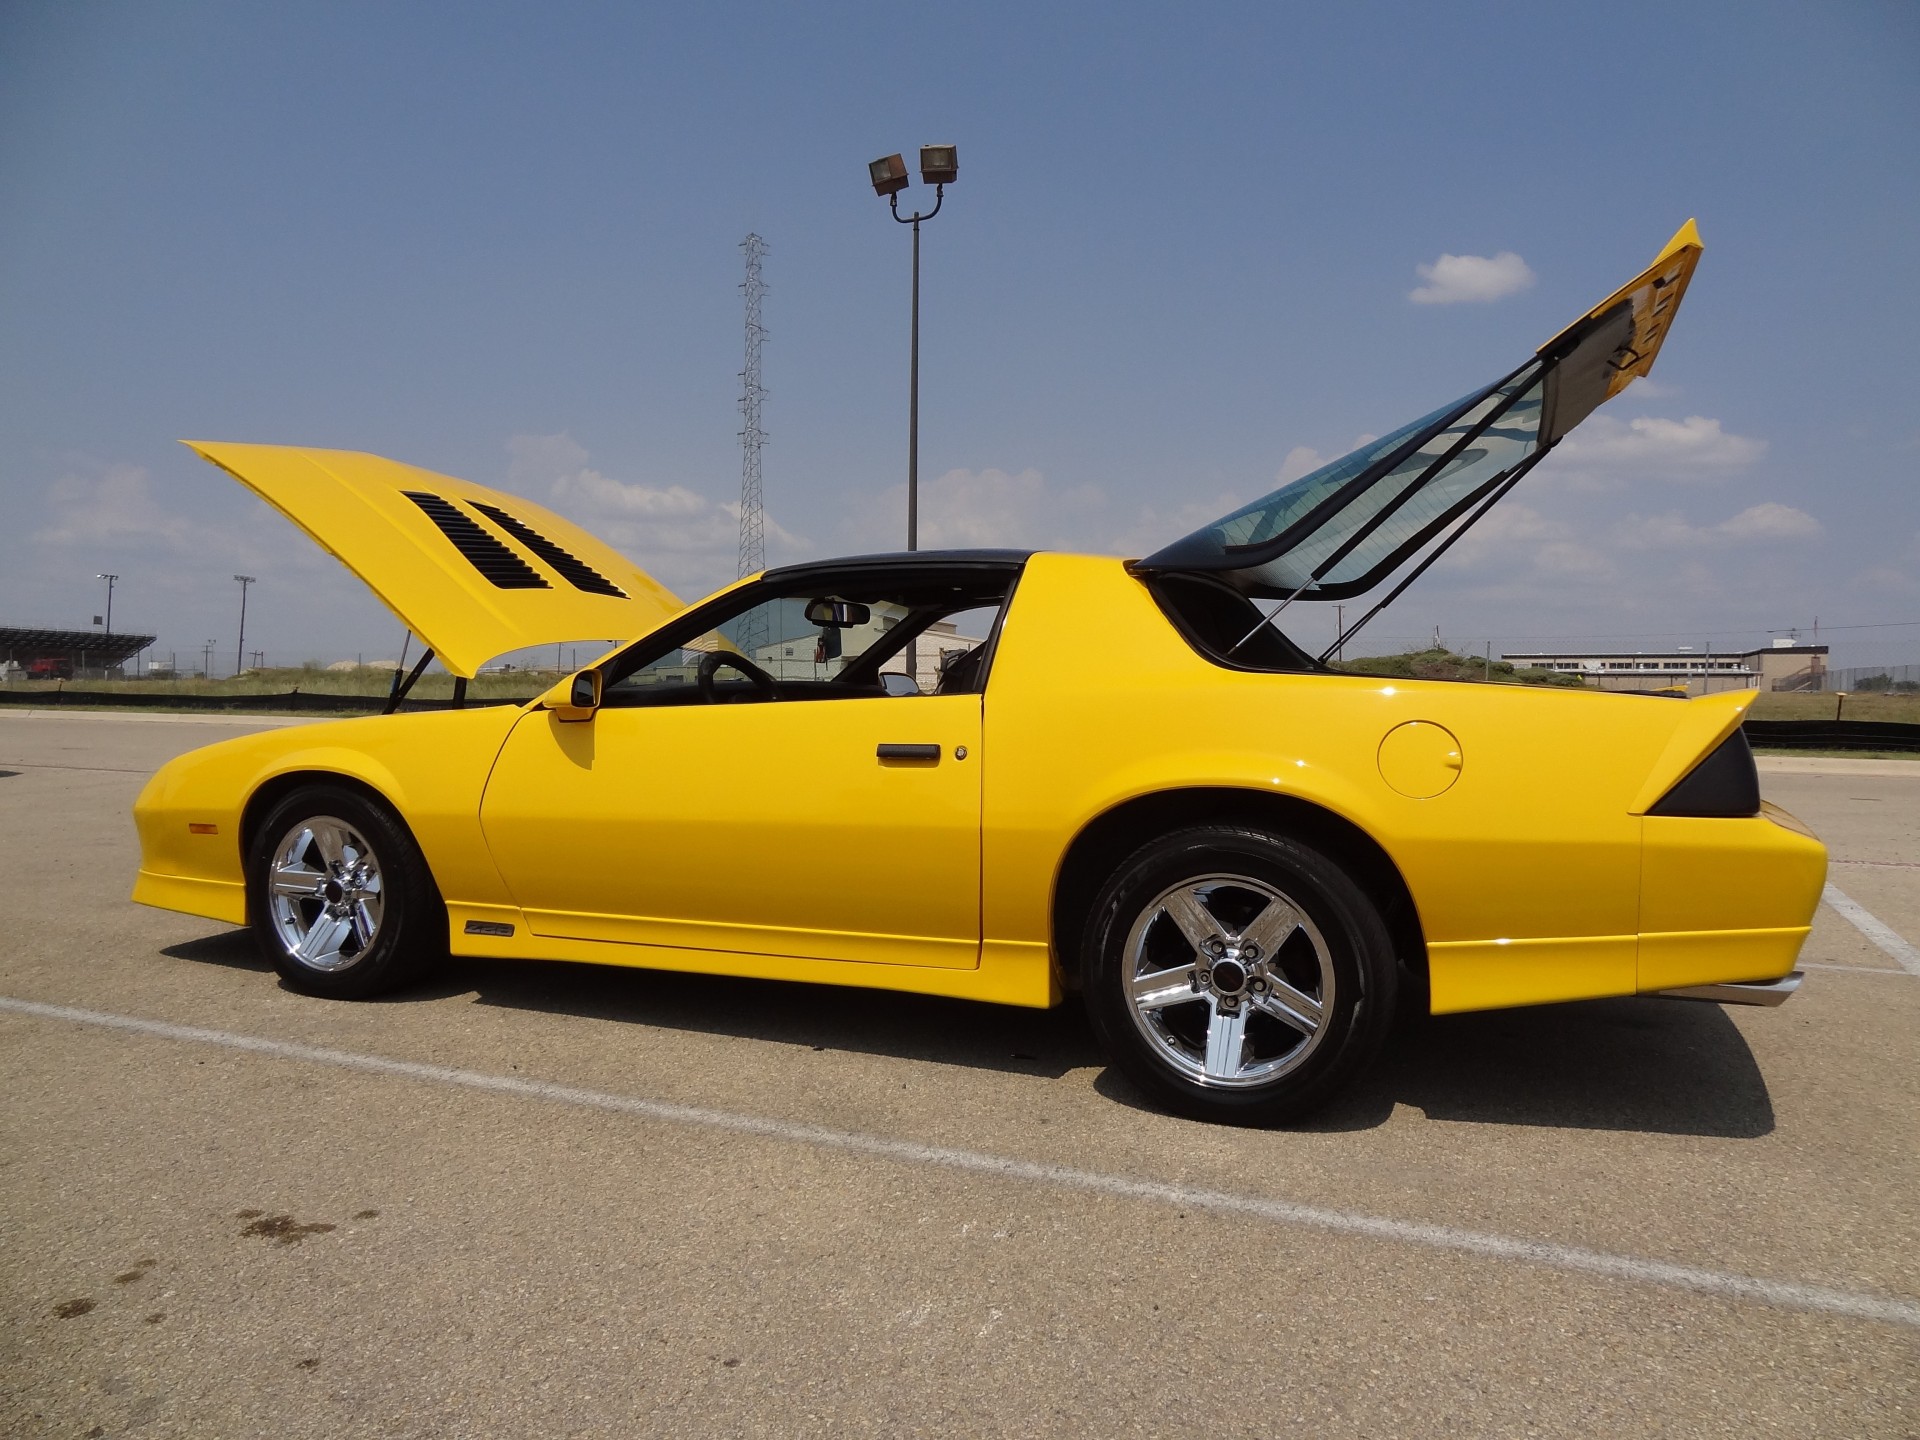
pixel 753 544
pixel 753 547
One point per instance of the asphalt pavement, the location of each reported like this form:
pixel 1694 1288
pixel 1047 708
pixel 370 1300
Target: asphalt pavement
pixel 564 1200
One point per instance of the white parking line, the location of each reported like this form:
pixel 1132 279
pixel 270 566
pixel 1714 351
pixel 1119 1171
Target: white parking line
pixel 1789 1294
pixel 1862 919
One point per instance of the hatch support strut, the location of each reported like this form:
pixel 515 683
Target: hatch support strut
pixel 1407 492
pixel 1465 525
pixel 401 687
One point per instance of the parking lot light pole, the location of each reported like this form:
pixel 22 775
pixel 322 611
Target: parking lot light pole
pixel 240 649
pixel 939 167
pixel 109 579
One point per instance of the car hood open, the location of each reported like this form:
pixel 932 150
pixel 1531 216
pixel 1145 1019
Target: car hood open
pixel 473 572
pixel 1343 529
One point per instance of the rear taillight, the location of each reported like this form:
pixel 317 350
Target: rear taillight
pixel 1724 785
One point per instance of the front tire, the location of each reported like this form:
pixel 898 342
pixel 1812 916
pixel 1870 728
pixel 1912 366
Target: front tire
pixel 1237 976
pixel 339 896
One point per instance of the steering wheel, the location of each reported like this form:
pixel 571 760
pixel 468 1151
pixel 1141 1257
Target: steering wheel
pixel 714 660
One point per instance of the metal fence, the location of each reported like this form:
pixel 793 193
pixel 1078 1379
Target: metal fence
pixel 1873 677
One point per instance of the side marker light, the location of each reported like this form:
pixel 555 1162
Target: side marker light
pixel 201 827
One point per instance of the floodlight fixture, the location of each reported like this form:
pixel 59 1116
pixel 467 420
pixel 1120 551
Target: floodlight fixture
pixel 939 164
pixel 889 175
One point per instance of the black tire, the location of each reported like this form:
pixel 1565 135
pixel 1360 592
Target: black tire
pixel 409 933
pixel 1226 1051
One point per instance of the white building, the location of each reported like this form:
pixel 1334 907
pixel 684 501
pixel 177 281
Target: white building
pixel 1782 665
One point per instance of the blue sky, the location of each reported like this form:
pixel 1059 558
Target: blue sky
pixel 501 241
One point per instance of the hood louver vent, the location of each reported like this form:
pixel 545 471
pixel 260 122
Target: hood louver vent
pixel 482 551
pixel 574 570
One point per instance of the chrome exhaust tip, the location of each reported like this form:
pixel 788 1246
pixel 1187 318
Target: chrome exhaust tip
pixel 1746 992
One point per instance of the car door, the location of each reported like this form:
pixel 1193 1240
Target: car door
pixel 839 827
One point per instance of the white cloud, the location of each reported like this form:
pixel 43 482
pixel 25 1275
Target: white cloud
pixel 1300 460
pixel 1151 528
pixel 1607 450
pixel 685 540
pixel 995 507
pixel 1514 536
pixel 1768 523
pixel 110 505
pixel 1304 459
pixel 1645 387
pixel 1453 279
pixel 1888 580
pixel 984 508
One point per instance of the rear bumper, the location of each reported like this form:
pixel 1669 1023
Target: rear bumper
pixel 1741 992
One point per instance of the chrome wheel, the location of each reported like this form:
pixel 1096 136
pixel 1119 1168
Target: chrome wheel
pixel 324 893
pixel 1228 980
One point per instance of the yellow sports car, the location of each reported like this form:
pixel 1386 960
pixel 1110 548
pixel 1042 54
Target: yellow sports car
pixel 1117 777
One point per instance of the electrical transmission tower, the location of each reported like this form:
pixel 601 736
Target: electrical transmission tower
pixel 753 542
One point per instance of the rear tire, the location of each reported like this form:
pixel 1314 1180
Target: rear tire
pixel 1237 976
pixel 340 898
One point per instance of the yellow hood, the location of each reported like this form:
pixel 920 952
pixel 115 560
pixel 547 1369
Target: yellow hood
pixel 473 572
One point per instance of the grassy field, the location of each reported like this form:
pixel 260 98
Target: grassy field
pixel 1771 705
pixel 315 680
pixel 1445 665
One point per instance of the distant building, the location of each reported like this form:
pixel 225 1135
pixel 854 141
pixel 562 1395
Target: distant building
pixel 1782 665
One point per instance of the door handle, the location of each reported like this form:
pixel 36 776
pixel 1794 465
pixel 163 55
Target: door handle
pixel 908 752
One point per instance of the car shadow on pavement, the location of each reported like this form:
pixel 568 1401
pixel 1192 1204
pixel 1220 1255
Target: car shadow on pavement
pixel 1045 1043
pixel 1656 1067
pixel 1664 1067
pixel 1660 1067
pixel 236 949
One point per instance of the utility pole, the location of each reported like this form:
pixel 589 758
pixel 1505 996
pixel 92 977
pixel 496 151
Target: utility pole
pixel 109 579
pixel 240 649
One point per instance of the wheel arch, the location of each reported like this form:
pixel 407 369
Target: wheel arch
pixel 273 790
pixel 1112 836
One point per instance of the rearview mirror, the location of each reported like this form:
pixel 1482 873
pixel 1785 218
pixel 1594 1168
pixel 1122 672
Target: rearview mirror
pixel 575 698
pixel 838 614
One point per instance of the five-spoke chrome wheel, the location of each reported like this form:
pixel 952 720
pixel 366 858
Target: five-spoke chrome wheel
pixel 1237 974
pixel 325 893
pixel 1229 980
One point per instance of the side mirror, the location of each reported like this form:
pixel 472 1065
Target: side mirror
pixel 838 614
pixel 575 698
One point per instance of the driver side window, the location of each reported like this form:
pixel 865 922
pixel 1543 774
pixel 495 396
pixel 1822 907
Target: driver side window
pixel 776 636
pixel 825 642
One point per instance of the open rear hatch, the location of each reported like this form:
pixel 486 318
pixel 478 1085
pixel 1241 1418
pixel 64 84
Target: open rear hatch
pixel 473 572
pixel 1345 528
